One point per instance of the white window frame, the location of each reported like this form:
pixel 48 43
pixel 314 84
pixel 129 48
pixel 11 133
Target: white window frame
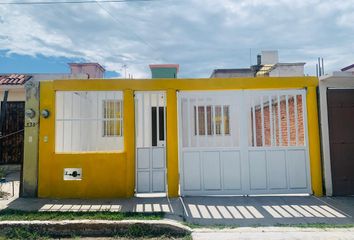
pixel 116 132
pixel 213 132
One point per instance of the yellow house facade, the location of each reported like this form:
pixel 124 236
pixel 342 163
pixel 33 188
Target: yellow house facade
pixel 206 145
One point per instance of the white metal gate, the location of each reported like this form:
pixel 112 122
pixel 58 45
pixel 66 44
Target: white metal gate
pixel 150 128
pixel 243 142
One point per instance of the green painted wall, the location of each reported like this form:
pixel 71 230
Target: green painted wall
pixel 30 160
pixel 164 72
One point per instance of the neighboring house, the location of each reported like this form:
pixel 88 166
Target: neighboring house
pixel 12 97
pixel 267 65
pixel 12 105
pixel 164 70
pixel 232 72
pixel 337 126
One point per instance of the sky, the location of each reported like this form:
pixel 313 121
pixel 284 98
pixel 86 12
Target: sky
pixel 200 35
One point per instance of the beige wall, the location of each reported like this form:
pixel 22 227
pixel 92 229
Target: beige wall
pixel 14 94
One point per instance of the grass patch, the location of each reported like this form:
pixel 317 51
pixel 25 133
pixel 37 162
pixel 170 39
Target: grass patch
pixel 134 232
pixel 17 215
pixel 216 226
pixel 22 233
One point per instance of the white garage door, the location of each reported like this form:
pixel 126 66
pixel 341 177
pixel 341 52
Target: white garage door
pixel 243 142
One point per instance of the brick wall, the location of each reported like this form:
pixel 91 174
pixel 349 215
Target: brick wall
pixel 283 123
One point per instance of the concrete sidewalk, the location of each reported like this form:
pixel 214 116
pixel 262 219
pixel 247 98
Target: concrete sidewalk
pixel 236 211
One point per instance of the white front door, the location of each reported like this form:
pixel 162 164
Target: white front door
pixel 150 128
pixel 243 142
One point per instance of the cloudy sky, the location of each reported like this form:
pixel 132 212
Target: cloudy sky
pixel 200 35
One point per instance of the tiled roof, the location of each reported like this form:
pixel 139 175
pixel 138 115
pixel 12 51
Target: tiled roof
pixel 14 79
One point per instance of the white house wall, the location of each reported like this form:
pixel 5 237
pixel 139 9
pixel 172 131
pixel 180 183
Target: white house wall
pixel 287 71
pixel 17 94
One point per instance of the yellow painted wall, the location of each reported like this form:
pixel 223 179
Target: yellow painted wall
pixel 111 175
pixel 314 142
pixel 171 143
pixel 129 140
pixel 104 175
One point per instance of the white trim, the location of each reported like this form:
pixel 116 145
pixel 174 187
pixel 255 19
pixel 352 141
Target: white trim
pixel 306 137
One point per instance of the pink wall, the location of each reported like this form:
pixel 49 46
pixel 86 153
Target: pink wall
pixel 92 70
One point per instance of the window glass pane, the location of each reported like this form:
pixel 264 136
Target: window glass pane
pixel 226 120
pixel 161 123
pixel 218 120
pixel 201 120
pixel 210 120
pixel 111 123
pixel 153 127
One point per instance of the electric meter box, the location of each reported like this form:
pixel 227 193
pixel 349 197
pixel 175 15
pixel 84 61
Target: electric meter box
pixel 72 174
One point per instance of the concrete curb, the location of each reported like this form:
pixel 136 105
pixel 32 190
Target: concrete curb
pixel 98 228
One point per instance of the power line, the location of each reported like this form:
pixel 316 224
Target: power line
pixel 73 2
pixel 121 23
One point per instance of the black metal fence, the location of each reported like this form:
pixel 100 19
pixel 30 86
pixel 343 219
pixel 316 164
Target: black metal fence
pixel 12 132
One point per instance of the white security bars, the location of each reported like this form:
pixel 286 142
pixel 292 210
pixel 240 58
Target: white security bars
pixel 89 121
pixel 215 122
pixel 276 119
pixel 150 115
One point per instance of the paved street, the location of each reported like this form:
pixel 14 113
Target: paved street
pixel 272 233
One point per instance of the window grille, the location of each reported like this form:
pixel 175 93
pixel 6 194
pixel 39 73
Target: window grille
pixel 113 121
pixel 209 117
pixel 277 120
pixel 88 121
